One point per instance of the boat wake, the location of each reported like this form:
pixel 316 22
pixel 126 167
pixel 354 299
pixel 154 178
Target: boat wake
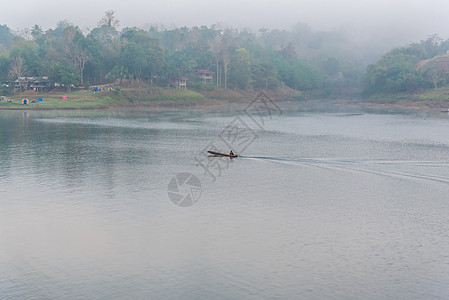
pixel 381 167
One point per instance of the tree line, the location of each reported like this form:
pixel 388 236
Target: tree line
pixel 409 68
pixel 300 58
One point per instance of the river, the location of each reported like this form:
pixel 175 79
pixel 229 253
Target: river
pixel 325 202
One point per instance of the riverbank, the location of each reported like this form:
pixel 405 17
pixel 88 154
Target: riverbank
pixel 434 105
pixel 135 95
pixel 409 104
pixel 87 99
pixel 143 95
pixel 434 99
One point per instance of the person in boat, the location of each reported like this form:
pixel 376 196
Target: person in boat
pixel 231 153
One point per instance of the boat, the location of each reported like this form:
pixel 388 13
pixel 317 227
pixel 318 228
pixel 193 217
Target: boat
pixel 222 154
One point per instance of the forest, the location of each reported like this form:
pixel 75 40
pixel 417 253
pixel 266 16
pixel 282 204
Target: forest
pixel 410 68
pixel 301 59
pixel 326 63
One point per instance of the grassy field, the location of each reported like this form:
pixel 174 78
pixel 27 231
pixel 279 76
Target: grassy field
pixel 76 100
pixel 138 94
pixel 86 99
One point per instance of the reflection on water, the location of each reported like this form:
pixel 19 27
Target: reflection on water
pixel 345 204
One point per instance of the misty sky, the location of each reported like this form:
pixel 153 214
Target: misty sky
pixel 412 19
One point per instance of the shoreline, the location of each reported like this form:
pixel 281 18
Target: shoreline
pixel 407 104
pixel 162 98
pixel 168 103
pixel 415 105
pixel 136 97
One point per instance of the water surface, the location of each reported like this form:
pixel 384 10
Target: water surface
pixel 325 203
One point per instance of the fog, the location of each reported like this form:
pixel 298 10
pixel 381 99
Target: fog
pixel 371 28
pixel 405 20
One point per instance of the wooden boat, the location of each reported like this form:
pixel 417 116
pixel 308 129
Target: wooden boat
pixel 222 154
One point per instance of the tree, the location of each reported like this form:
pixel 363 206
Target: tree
pixel 5 36
pixel 118 72
pixel 141 54
pixel 109 19
pixel 110 22
pixel 17 68
pixel 104 53
pixel 66 74
pixel 80 57
pixel 222 49
pixel 396 71
pixel 265 76
pixel 240 69
pixel 215 48
pixel 36 31
pixel 61 26
pixel 132 57
pixel 226 59
pixel 29 52
pixel 435 76
pixel 74 45
pixel 295 73
pixel 225 53
pixel 4 67
pixel 155 58
pixel 261 61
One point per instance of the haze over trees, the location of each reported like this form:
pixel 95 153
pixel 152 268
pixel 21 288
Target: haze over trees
pixel 300 59
pixel 323 62
pixel 409 68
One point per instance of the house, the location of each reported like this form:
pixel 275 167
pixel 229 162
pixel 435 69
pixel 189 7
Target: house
pixel 20 83
pixel 179 83
pixel 205 76
pixel 37 84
